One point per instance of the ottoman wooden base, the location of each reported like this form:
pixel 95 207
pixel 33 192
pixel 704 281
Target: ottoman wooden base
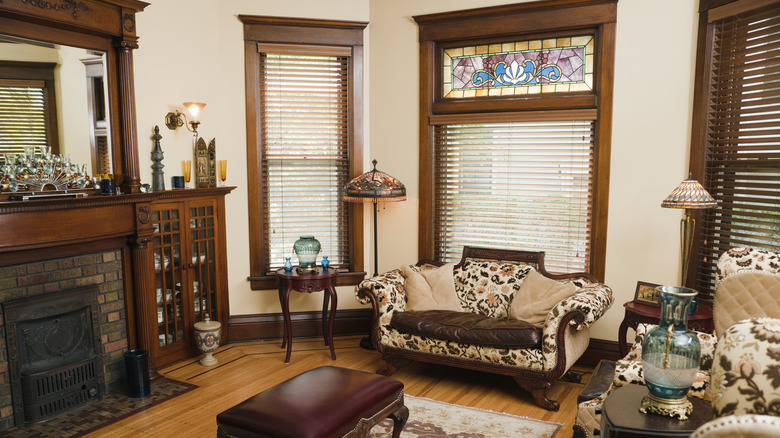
pixel 326 402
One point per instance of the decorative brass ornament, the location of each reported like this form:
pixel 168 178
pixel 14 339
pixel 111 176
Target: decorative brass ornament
pixel 681 408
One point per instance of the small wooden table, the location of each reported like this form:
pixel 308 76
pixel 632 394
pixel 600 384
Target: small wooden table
pixel 637 313
pixel 322 280
pixel 620 416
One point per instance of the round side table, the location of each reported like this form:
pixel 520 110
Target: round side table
pixel 322 280
pixel 620 416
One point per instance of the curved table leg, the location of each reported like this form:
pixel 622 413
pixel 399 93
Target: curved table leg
pixel 331 290
pixel 326 296
pixel 285 299
pixel 622 332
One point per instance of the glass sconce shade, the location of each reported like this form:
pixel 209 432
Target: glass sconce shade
pixel 194 109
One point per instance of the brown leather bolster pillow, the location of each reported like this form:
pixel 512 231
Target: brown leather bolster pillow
pixel 468 328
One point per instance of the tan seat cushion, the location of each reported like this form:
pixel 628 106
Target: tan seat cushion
pixel 537 295
pixel 430 289
pixel 744 295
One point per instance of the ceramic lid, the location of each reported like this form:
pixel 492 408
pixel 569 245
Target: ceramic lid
pixel 206 325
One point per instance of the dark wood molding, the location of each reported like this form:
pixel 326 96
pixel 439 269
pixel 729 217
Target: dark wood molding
pixel 305 325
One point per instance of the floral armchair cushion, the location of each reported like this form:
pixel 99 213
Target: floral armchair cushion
pixel 746 372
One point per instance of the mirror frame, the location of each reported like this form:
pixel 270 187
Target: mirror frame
pixel 103 25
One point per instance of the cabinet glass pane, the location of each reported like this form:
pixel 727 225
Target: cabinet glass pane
pixel 202 231
pixel 168 265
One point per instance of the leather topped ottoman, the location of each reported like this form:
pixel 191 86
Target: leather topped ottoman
pixel 320 403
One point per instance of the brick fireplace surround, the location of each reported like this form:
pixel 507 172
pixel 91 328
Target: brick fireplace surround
pixel 36 278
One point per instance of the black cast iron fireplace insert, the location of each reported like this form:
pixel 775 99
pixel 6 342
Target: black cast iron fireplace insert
pixel 52 360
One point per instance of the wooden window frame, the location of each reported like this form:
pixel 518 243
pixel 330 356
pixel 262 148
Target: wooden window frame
pixel 518 22
pixel 701 275
pixel 38 71
pixel 295 31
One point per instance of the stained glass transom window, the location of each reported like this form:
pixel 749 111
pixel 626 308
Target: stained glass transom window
pixel 555 65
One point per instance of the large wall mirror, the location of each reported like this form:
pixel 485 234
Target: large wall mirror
pixel 54 96
pixel 70 67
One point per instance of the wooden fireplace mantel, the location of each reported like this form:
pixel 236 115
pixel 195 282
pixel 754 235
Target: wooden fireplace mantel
pixel 54 228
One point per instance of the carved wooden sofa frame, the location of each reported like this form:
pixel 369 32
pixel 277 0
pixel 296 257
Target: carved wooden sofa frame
pixel 565 335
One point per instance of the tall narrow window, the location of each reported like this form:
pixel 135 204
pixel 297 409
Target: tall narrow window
pixel 739 151
pixel 305 145
pixel 518 115
pixel 304 104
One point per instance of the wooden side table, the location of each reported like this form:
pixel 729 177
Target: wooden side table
pixel 620 416
pixel 322 280
pixel 637 313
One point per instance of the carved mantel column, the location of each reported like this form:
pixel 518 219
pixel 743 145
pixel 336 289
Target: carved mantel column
pixel 143 280
pixel 129 42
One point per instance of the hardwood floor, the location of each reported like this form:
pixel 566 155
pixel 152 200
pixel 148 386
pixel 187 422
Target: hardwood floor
pixel 245 369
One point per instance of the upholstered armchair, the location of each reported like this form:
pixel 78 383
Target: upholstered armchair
pixel 745 382
pixel 747 285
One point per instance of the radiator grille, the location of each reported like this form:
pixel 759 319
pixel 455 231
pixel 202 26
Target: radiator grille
pixel 49 393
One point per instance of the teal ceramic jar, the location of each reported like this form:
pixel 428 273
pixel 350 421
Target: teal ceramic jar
pixel 306 249
pixel 670 356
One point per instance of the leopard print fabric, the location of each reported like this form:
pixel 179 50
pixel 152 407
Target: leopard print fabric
pixel 746 259
pixel 487 287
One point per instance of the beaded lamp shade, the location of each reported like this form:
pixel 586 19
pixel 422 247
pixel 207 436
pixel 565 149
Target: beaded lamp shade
pixel 689 194
pixel 374 186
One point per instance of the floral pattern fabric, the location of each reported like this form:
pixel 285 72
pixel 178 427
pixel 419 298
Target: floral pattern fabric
pixel 746 259
pixel 486 287
pixel 746 372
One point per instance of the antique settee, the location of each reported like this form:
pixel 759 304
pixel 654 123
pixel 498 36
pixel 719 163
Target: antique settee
pixel 480 334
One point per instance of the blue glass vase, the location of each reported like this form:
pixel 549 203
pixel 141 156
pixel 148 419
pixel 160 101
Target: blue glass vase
pixel 670 356
pixel 325 262
pixel 287 264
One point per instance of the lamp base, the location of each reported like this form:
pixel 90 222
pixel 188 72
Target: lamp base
pixel 667 407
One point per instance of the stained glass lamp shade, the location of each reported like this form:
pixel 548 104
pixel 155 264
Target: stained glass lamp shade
pixel 375 186
pixel 688 195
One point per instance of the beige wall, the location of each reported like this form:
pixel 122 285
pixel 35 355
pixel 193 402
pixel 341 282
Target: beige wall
pixel 192 50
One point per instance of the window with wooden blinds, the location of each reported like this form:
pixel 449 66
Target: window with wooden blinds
pixel 527 168
pixel 741 150
pixel 305 153
pixel 521 185
pixel 22 116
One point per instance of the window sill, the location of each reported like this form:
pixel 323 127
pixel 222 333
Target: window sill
pixel 268 282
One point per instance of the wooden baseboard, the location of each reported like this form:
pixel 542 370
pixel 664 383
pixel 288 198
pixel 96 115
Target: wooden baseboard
pixel 599 349
pixel 304 325
pixel 358 322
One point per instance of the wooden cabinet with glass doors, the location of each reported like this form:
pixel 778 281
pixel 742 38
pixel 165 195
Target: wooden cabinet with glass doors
pixel 190 272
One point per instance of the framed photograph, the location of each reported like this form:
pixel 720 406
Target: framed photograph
pixel 646 294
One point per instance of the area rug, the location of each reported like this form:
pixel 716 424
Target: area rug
pixel 434 419
pixel 111 408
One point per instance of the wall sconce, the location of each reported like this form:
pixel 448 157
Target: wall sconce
pixel 176 119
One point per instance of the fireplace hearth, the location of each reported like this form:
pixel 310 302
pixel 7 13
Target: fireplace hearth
pixel 52 357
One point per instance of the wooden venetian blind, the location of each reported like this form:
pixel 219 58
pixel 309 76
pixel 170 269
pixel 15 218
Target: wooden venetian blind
pixel 305 149
pixel 518 185
pixel 742 150
pixel 22 116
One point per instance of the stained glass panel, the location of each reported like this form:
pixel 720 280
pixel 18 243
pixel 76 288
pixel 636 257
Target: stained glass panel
pixel 555 65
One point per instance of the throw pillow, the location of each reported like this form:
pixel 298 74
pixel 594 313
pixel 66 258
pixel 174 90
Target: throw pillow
pixel 431 289
pixel 536 296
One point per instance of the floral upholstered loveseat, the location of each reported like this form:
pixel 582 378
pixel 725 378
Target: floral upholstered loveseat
pixel 486 281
